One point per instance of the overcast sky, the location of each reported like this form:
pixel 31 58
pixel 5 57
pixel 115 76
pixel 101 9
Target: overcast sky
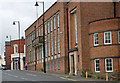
pixel 18 10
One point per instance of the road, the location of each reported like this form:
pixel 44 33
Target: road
pixel 9 75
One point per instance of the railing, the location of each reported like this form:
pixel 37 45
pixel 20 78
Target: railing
pixel 38 41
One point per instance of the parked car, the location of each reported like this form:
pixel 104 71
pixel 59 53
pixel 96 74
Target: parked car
pixel 3 68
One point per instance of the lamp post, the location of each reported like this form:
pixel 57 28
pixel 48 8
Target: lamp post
pixel 19 39
pixel 43 36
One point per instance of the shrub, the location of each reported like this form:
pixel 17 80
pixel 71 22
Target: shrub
pixel 42 69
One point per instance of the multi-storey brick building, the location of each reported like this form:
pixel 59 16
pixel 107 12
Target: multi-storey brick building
pixel 12 50
pixel 79 36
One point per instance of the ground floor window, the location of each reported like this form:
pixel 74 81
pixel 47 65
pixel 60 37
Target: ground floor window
pixel 58 65
pixel 97 65
pixel 108 65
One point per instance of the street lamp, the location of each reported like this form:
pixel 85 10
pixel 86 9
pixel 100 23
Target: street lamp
pixel 43 35
pixel 19 39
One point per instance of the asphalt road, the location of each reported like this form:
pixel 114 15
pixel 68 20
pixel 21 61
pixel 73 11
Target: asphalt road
pixel 28 76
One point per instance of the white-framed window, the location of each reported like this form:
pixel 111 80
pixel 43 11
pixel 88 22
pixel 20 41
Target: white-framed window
pixel 39 31
pixel 46 49
pixel 119 37
pixel 58 20
pixel 24 49
pixel 107 38
pixel 48 28
pixel 45 29
pixel 109 65
pixel 54 22
pixel 15 48
pixel 38 53
pixel 51 25
pixel 55 45
pixel 51 46
pixel 96 39
pixel 75 19
pixel 42 51
pixel 97 65
pixel 49 49
pixel 58 41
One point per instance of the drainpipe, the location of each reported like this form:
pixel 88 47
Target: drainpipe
pixel 68 39
pixel 114 9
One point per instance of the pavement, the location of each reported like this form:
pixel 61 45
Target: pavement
pixel 66 76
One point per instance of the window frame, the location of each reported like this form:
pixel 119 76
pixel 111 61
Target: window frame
pixel 118 37
pixel 95 39
pixel 110 38
pixel 15 45
pixel 106 65
pixel 95 65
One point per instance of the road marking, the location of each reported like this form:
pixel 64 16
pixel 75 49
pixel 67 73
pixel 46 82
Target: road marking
pixel 24 78
pixel 31 74
pixel 68 79
pixel 62 78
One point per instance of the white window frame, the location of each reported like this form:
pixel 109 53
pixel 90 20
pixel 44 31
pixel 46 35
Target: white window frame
pixel 54 19
pixel 51 21
pixel 76 31
pixel 58 20
pixel 110 38
pixel 48 27
pixel 15 45
pixel 95 39
pixel 95 65
pixel 106 65
pixel 119 36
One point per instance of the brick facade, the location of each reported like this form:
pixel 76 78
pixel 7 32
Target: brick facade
pixel 9 49
pixel 75 56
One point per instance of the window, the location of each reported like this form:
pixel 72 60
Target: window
pixel 54 22
pixel 58 20
pixel 107 38
pixel 54 65
pixel 51 25
pixel 45 29
pixel 49 49
pixel 108 65
pixel 58 41
pixel 15 48
pixel 95 39
pixel 40 51
pixel 37 54
pixel 48 26
pixel 39 31
pixel 119 37
pixel 75 19
pixel 48 66
pixel 46 49
pixel 55 45
pixel 97 65
pixel 58 65
pixel 51 66
pixel 24 49
pixel 42 30
pixel 51 46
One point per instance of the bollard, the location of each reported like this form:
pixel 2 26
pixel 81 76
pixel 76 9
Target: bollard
pixel 86 75
pixel 106 76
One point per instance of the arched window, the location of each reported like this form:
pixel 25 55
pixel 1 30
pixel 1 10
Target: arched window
pixel 15 48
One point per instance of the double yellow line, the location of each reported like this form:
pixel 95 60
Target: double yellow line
pixel 68 79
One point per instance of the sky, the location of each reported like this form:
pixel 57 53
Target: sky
pixel 18 10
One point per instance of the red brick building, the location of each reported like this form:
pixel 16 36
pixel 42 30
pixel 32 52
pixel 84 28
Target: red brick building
pixel 12 51
pixel 89 38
